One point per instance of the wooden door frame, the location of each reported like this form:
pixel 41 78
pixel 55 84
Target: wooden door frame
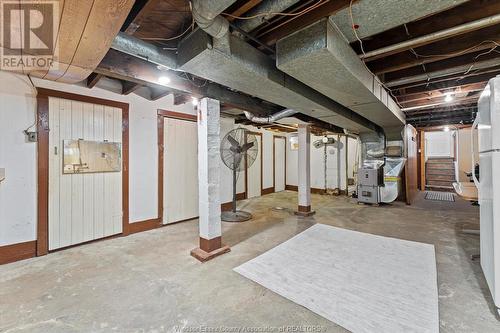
pixel 161 115
pixel 43 128
pixel 247 132
pixel 274 159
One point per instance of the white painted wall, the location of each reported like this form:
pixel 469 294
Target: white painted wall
pixel 318 164
pixel 18 190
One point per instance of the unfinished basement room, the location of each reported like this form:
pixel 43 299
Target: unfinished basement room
pixel 258 166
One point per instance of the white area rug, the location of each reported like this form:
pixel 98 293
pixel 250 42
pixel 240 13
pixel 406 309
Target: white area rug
pixel 362 282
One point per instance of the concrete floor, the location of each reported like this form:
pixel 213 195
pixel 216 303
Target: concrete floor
pixel 147 282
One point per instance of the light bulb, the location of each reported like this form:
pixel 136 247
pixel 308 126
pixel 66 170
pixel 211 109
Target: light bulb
pixel 448 98
pixel 194 101
pixel 446 129
pixel 164 80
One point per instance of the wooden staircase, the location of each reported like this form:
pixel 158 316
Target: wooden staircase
pixel 439 174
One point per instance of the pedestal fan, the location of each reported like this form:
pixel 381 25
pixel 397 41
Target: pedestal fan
pixel 238 150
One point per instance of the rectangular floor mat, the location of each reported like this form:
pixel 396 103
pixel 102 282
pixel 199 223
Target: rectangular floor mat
pixel 439 196
pixel 362 282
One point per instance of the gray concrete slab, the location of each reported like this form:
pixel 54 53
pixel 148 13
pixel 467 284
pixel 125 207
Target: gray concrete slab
pixel 148 282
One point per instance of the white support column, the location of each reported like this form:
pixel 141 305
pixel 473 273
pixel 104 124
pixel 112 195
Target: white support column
pixel 209 181
pixel 304 170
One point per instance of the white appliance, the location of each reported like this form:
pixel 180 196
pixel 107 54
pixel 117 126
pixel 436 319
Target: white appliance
pixel 487 123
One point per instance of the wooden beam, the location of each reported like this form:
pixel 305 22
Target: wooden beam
pixel 448 81
pixel 441 101
pixel 295 23
pixel 93 79
pixel 439 93
pixel 157 93
pixel 244 8
pixel 141 15
pixel 445 49
pixel 129 87
pixel 466 59
pixel 467 12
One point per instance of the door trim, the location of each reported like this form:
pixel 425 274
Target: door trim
pixel 261 148
pixel 161 147
pixel 274 159
pixel 42 242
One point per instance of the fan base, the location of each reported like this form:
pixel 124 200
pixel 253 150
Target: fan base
pixel 237 216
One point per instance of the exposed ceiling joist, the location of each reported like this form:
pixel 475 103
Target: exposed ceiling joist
pixel 129 87
pixel 296 23
pixel 157 93
pixel 93 79
pixel 432 94
pixel 445 49
pixel 466 12
pixel 441 101
pixel 459 70
pixel 432 37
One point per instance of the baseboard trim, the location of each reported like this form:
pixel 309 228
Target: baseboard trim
pixel 16 252
pixel 141 226
pixel 268 190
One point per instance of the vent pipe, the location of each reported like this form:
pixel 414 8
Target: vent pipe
pixel 271 118
pixel 206 13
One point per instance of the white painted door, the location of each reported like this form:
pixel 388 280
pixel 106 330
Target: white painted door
pixel 255 173
pixel 279 164
pixel 180 172
pixel 82 207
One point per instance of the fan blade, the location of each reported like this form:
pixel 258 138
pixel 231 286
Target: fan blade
pixel 246 146
pixel 233 141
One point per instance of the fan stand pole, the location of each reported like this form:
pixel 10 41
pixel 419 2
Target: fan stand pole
pixel 234 189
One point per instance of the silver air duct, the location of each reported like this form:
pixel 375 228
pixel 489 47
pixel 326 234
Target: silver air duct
pixel 206 14
pixel 271 118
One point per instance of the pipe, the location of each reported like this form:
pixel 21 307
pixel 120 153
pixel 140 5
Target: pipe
pixel 146 51
pixel 435 36
pixel 206 13
pixel 271 118
pixel 276 6
pixel 462 69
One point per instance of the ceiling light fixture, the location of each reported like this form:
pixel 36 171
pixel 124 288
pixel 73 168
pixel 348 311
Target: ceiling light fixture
pixel 164 80
pixel 194 101
pixel 448 98
pixel 446 129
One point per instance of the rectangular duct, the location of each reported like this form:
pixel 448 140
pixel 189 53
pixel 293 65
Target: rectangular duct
pixel 234 63
pixel 320 57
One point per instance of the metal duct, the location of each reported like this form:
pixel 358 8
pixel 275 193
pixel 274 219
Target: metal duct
pixel 320 57
pixel 206 14
pixel 140 49
pixel 244 68
pixel 271 118
pixel 275 6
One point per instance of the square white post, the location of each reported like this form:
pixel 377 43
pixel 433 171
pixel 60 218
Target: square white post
pixel 304 168
pixel 209 181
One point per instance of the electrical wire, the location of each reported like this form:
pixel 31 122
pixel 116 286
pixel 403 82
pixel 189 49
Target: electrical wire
pixel 266 14
pixel 191 27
